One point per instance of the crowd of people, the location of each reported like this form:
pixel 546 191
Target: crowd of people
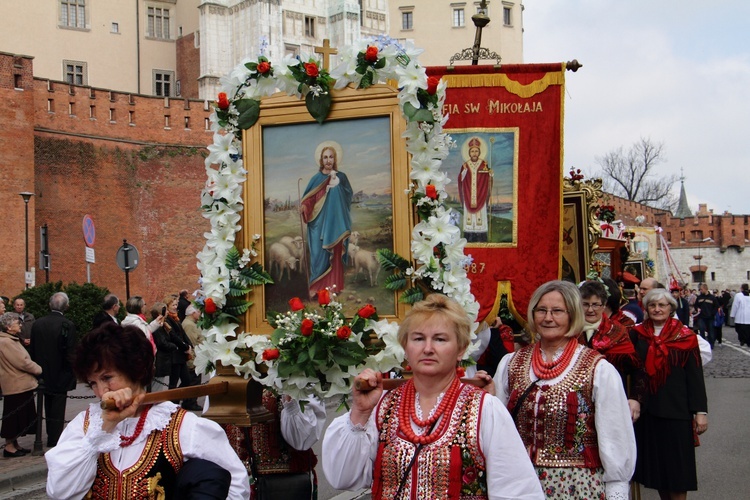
pixel 608 393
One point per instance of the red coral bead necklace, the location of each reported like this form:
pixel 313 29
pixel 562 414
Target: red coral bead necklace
pixel 407 413
pixel 547 370
pixel 128 440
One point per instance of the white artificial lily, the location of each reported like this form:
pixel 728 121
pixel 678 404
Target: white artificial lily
pixel 440 230
pixel 221 149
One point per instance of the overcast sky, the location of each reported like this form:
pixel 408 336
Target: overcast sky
pixel 674 71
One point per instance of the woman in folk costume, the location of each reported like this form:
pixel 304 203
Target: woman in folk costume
pixel 433 437
pixel 135 451
pixel 610 339
pixel 568 403
pixel 675 403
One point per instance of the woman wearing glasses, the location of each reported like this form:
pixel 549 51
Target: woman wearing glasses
pixel 568 403
pixel 610 339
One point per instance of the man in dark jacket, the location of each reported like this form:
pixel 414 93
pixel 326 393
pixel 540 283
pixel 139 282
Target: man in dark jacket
pixel 707 305
pixel 683 307
pixel 53 344
pixel 110 308
pixel 182 304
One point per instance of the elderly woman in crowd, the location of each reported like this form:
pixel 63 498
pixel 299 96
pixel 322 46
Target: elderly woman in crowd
pixel 134 450
pixel 433 437
pixel 610 339
pixel 675 401
pixel 568 402
pixel 18 381
pixel 136 308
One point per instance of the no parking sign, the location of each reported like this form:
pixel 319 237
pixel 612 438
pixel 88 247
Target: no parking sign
pixel 89 231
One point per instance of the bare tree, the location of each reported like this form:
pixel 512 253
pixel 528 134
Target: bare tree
pixel 633 174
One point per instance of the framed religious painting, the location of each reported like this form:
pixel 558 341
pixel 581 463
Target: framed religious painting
pixel 484 164
pixel 316 234
pixel 580 230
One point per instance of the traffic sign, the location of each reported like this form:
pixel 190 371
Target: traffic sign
pixel 89 231
pixel 127 257
pixel 90 255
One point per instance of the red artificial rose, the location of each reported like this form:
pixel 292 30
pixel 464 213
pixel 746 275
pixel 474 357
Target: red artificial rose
pixel 460 371
pixel 344 332
pixel 270 354
pixel 209 306
pixel 264 67
pixel 371 55
pixel 223 101
pixel 431 191
pixel 432 85
pixel 296 304
pixel 324 297
pixel 366 311
pixel 306 328
pixel 311 69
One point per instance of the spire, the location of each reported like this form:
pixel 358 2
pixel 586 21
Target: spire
pixel 683 210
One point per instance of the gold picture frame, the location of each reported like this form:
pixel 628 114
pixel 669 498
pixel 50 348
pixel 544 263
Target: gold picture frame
pixel 353 113
pixel 580 229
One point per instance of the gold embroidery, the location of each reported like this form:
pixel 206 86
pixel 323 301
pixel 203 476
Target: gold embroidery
pixel 155 490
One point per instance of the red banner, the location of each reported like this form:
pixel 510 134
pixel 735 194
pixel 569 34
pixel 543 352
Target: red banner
pixel 506 176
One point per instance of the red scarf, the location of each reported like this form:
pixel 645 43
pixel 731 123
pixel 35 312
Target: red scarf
pixel 673 346
pixel 612 340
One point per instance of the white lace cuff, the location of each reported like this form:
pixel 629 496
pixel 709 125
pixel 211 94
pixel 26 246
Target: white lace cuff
pixel 356 427
pixel 617 490
pixel 98 440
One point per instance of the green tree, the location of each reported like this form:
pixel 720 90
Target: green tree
pixel 85 301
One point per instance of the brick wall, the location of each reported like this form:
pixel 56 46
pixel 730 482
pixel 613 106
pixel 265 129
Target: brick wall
pixel 16 169
pixel 188 66
pixel 133 163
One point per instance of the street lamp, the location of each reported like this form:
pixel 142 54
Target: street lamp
pixel 26 197
pixel 700 270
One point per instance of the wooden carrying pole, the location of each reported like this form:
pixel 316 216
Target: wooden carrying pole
pixel 393 383
pixel 172 394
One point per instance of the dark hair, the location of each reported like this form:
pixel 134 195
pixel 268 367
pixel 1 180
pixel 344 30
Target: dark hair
pixel 114 347
pixel 615 295
pixel 593 289
pixel 110 301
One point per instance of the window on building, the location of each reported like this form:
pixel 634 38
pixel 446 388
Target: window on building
pixel 407 20
pixel 699 276
pixel 711 234
pixel 458 18
pixel 73 13
pixel 158 23
pixel 733 233
pixel 75 72
pixel 669 236
pixel 713 276
pixel 696 235
pixel 115 28
pixel 197 40
pixel 163 83
pixel 746 234
pixel 361 13
pixel 291 50
pixel 310 26
pixel 682 235
pixel 748 275
pixel 507 19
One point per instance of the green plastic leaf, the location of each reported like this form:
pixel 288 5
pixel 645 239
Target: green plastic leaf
pixel 255 275
pixel 237 309
pixel 366 80
pixel 319 106
pixel 409 110
pixel 233 258
pixel 412 296
pixel 380 63
pixel 390 260
pixel 395 281
pixel 249 110
pixel 271 318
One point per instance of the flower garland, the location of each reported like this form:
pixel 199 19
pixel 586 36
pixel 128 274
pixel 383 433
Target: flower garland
pixel 227 276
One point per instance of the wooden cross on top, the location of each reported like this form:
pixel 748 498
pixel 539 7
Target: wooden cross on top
pixel 326 50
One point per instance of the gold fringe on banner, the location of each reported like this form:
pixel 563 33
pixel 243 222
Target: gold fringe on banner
pixel 502 80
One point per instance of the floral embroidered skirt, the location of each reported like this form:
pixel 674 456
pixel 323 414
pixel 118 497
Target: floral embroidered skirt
pixel 572 483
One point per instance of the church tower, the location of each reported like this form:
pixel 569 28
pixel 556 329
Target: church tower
pixel 683 210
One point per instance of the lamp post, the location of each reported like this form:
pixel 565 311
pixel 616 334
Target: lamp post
pixel 699 257
pixel 26 197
